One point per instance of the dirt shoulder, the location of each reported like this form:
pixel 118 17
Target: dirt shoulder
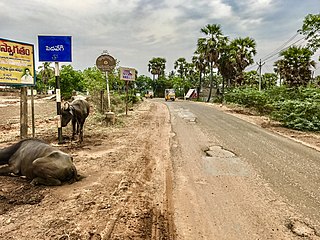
pixel 124 192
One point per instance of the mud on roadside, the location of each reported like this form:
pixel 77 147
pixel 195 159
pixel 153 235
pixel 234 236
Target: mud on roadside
pixel 123 194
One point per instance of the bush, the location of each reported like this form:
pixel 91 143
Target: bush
pixel 298 115
pixel 296 108
pixel 250 98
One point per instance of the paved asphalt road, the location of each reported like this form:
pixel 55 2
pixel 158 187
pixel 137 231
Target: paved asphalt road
pixel 290 169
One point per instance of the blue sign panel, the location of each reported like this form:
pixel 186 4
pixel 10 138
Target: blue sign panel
pixel 54 48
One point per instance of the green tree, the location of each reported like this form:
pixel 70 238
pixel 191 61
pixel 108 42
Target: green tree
pixel 210 47
pixel 157 66
pixel 143 83
pixel 199 61
pixel 295 66
pixel 311 29
pixel 251 79
pixel 180 65
pixel 70 80
pixel 94 80
pixel 243 50
pixel 227 64
pixel 269 80
pixel 46 72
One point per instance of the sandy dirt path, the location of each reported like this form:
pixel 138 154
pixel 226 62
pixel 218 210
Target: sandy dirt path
pixel 124 192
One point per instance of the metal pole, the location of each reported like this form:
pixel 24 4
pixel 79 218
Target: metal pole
pixel 108 93
pixel 58 100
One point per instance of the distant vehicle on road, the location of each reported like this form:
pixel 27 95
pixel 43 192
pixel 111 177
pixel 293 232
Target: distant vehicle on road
pixel 170 94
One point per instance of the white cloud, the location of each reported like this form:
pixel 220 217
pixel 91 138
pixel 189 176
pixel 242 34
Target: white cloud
pixel 134 31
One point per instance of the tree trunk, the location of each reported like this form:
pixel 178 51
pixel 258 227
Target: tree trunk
pixel 211 82
pixel 199 88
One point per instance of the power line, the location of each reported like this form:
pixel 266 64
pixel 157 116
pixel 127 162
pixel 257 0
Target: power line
pixel 284 44
pixel 283 49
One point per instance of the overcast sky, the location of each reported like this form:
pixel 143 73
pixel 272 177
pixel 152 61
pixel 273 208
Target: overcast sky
pixel 135 31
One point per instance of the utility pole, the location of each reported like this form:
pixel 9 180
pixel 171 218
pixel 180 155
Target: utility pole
pixel 260 77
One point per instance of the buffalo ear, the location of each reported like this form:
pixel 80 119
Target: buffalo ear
pixel 66 106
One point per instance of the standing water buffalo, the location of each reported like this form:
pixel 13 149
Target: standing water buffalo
pixel 78 111
pixel 39 162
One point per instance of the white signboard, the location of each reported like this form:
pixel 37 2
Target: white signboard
pixel 127 74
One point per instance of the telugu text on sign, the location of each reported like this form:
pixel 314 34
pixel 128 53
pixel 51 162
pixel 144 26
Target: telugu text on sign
pixel 16 63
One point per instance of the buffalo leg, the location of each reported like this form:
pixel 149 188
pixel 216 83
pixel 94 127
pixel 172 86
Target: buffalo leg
pixel 73 128
pixel 81 131
pixel 46 181
pixel 6 170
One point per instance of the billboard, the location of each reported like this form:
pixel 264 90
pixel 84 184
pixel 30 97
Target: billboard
pixel 127 74
pixel 55 48
pixel 16 63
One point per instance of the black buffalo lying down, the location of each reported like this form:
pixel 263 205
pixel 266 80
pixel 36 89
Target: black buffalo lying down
pixel 39 162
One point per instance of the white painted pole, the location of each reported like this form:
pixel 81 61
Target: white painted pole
pixel 108 93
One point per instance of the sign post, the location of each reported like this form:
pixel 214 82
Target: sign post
pixel 127 74
pixel 17 69
pixel 106 63
pixel 56 49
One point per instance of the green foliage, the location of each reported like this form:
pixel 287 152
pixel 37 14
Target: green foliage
pixel 295 66
pixel 250 98
pixel 311 29
pixel 296 108
pixel 297 114
pixel 94 79
pixel 70 80
pixel 143 83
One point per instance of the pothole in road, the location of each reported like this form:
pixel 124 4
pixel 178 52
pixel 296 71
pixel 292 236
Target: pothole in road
pixel 187 115
pixel 221 162
pixel 301 229
pixel 218 151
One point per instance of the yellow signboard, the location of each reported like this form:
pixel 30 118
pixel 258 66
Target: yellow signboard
pixel 127 74
pixel 16 63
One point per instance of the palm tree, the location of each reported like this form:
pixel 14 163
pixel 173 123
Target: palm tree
pixel 46 73
pixel 295 66
pixel 199 62
pixel 209 46
pixel 157 68
pixel 227 64
pixel 181 66
pixel 243 50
